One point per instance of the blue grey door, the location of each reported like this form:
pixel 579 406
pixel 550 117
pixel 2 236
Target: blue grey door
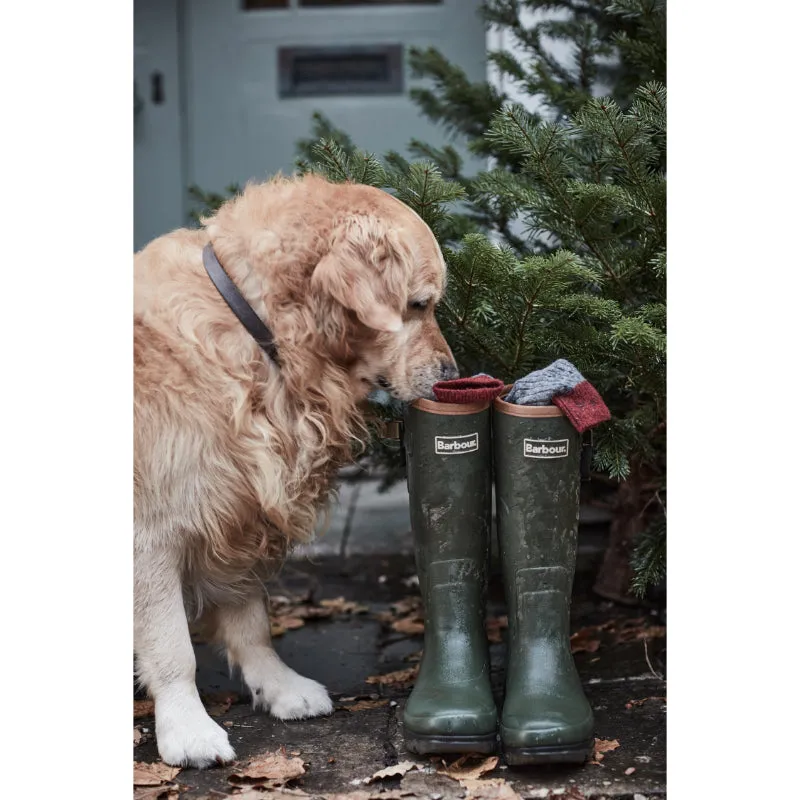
pixel 257 69
pixel 158 174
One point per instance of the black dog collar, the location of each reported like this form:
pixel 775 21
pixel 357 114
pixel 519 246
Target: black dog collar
pixel 243 310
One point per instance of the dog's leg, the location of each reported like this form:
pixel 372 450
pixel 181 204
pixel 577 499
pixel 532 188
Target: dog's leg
pixel 185 734
pixel 244 631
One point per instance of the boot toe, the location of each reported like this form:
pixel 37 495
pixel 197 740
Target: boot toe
pixel 546 727
pixel 450 714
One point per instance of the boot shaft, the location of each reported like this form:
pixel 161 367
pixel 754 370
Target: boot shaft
pixel 449 466
pixel 537 475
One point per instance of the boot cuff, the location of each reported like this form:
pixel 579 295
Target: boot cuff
pixel 480 388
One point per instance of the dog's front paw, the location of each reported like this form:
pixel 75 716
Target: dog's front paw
pixel 294 697
pixel 195 741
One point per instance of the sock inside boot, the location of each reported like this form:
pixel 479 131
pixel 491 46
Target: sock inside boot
pixel 478 388
pixel 561 384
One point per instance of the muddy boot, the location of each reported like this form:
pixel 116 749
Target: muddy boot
pixel 449 457
pixel 546 717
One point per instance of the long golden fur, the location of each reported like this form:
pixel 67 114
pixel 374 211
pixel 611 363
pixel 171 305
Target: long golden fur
pixel 234 454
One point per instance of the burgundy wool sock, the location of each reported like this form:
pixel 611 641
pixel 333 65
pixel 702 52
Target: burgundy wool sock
pixel 479 388
pixel 583 406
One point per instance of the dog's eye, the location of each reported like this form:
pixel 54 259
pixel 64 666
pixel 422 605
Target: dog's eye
pixel 418 305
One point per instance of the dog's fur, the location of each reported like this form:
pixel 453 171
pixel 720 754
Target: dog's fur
pixel 234 455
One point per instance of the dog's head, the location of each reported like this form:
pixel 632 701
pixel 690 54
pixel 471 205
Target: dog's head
pixel 385 272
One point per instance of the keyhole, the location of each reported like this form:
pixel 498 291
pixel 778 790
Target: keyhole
pixel 157 88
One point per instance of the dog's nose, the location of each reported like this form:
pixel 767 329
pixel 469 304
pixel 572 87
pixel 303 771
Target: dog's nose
pixel 448 371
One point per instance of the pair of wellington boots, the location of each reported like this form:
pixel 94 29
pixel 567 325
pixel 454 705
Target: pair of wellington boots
pixel 452 451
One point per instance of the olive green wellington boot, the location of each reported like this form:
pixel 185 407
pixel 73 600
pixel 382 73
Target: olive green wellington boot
pixel 546 717
pixel 449 459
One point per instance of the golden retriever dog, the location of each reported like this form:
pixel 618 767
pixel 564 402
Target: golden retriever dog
pixel 235 453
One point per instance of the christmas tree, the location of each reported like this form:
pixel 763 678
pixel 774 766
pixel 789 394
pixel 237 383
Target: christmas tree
pixel 559 249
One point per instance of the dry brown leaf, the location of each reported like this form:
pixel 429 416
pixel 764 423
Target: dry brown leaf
pixel 155 793
pixel 407 605
pixel 488 789
pixel 460 771
pixel 410 626
pixel 143 708
pixel 291 622
pixel 307 612
pixel 137 736
pixel 588 639
pixel 493 627
pixel 397 769
pixel 145 774
pixel 635 703
pixel 254 793
pixel 572 793
pixel 584 641
pixel 341 606
pixel 273 768
pixel 363 705
pixel 632 630
pixel 401 678
pixel 601 747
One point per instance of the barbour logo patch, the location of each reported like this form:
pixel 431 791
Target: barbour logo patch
pixel 546 448
pixel 456 445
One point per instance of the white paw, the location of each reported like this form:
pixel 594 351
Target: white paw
pixel 291 696
pixel 193 740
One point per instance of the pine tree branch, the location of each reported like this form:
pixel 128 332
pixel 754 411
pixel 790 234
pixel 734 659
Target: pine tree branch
pixel 633 170
pixel 553 184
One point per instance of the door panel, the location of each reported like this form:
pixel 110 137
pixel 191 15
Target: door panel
pixel 240 128
pixel 159 184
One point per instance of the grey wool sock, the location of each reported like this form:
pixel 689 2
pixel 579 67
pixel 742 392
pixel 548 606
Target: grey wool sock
pixel 540 386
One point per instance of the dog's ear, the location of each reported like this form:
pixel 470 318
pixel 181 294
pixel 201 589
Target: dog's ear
pixel 367 271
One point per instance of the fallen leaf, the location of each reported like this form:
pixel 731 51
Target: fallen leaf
pixel 582 641
pixel 341 606
pixel 488 789
pixel 407 605
pixel 588 639
pixel 601 747
pixel 137 736
pixel 632 630
pixel 630 770
pixel 363 705
pixel 143 708
pixel 153 774
pixel 635 703
pixel 274 768
pixel 460 772
pixel 493 627
pixel 573 793
pixel 155 793
pixel 255 793
pixel 410 626
pixel 390 772
pixel 402 678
